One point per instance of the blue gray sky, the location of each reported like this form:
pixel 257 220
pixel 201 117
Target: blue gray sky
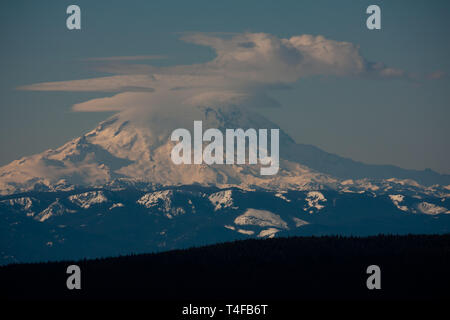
pixel 401 120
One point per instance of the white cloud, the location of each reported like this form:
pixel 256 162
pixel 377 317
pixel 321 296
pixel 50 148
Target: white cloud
pixel 245 68
pixel 261 57
pixel 127 58
pixel 103 84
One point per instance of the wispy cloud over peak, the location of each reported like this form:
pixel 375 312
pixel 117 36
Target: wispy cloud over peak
pixel 246 67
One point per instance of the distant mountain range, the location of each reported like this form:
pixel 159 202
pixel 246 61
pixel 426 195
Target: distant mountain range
pixel 115 190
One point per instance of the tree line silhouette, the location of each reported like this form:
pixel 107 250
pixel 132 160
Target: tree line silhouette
pixel 294 268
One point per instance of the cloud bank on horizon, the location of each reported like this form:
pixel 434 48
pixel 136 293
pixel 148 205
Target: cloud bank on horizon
pixel 246 66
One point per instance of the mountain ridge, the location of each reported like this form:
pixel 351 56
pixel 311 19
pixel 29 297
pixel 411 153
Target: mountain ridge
pixel 115 190
pixel 138 148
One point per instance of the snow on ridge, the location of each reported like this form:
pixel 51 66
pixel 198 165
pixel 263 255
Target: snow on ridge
pixel 347 182
pixel 299 222
pixel 222 199
pixel 54 209
pixel 86 200
pixel 367 185
pixel 116 205
pixel 24 203
pixel 396 199
pixel 163 200
pixel 282 196
pixel 247 232
pixel 432 209
pixel 268 233
pixel 403 182
pixel 313 199
pixel 261 218
pixel 152 199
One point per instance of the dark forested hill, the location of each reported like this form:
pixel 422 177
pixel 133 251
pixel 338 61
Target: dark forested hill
pixel 412 267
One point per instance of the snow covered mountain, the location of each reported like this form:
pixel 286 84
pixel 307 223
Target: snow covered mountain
pixel 115 190
pixel 55 225
pixel 138 150
pixel 129 149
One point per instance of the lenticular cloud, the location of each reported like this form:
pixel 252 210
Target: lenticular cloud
pixel 245 68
